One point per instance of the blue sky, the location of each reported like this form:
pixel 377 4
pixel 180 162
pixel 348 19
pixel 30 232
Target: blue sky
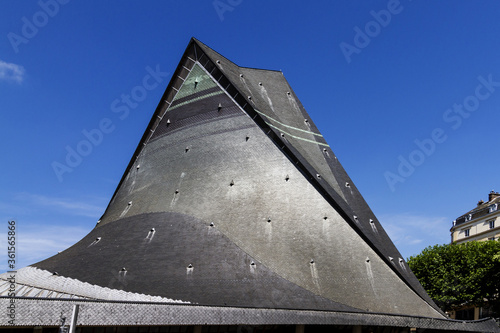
pixel 405 92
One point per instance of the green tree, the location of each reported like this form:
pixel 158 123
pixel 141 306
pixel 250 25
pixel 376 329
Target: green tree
pixel 458 274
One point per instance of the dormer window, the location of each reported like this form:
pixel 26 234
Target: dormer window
pixel 468 218
pixel 493 208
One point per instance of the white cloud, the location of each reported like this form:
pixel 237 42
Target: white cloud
pixel 412 233
pixel 11 72
pixel 46 225
pixel 67 206
pixel 38 242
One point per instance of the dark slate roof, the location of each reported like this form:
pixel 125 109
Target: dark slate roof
pixel 197 262
pixel 234 200
pixel 34 282
pixel 479 211
pixel 44 312
pixel 334 184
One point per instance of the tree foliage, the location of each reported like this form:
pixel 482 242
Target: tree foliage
pixel 458 274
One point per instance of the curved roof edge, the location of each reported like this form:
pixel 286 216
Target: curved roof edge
pixel 46 312
pixel 33 282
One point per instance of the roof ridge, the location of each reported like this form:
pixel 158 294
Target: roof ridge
pixel 206 47
pixel 484 205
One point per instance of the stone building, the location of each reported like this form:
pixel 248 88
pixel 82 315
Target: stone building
pixel 480 223
pixel 233 215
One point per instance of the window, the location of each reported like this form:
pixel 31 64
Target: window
pixel 466 314
pixel 468 218
pixel 493 208
pixel 486 312
pixel 467 232
pixel 492 224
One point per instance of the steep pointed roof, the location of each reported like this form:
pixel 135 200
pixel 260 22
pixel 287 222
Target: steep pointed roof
pixel 287 123
pixel 234 198
pixel 295 132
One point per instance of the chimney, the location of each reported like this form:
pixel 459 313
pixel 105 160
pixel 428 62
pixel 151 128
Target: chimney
pixel 480 202
pixel 492 195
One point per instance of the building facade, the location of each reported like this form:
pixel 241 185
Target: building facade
pixel 479 224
